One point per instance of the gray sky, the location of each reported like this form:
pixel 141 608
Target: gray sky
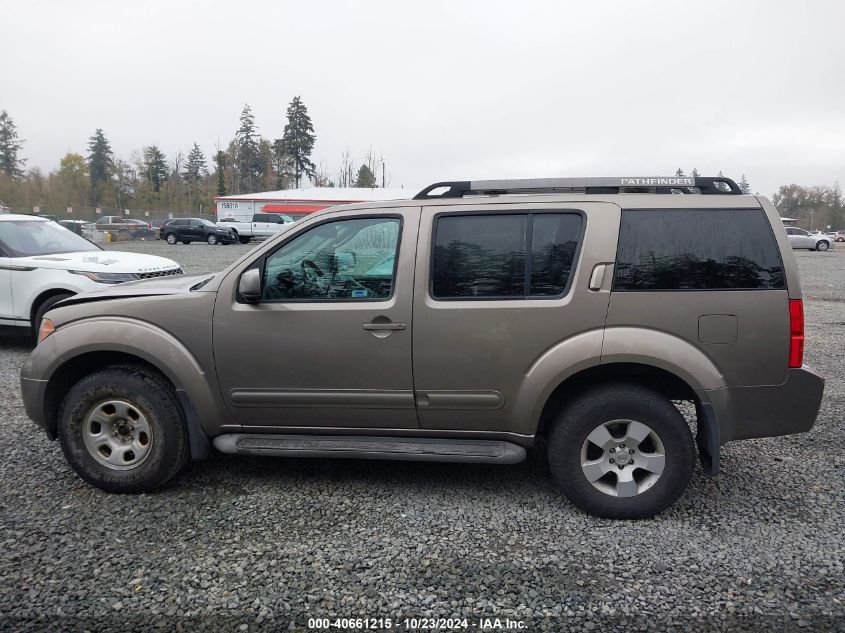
pixel 445 90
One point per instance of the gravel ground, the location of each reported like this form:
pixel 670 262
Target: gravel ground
pixel 247 544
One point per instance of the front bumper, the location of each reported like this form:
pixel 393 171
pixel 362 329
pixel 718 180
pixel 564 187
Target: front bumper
pixel 747 412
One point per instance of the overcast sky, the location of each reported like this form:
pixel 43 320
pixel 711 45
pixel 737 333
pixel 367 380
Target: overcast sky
pixel 445 90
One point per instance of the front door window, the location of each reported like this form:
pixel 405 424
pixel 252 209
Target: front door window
pixel 347 260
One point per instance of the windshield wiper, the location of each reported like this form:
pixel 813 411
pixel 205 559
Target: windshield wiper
pixel 201 284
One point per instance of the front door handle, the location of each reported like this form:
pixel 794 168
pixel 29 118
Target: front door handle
pixel 384 326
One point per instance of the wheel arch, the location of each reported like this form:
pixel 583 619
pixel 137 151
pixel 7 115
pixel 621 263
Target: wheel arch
pixel 42 297
pixel 125 341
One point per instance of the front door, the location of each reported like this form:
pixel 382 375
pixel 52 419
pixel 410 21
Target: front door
pixel 498 289
pixel 329 343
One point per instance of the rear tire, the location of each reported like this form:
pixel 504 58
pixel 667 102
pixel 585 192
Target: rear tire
pixel 621 425
pixel 122 430
pixel 171 238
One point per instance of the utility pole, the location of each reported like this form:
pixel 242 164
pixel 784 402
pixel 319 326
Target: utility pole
pixel 382 174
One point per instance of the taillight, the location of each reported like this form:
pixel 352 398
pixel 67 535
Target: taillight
pixel 796 333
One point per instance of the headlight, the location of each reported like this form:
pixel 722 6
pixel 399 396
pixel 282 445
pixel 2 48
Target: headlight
pixel 106 278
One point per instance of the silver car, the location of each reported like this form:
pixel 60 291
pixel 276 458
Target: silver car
pixel 799 238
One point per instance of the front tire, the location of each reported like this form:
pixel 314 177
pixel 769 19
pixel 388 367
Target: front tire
pixel 621 452
pixel 243 240
pixel 122 430
pixel 822 246
pixel 45 306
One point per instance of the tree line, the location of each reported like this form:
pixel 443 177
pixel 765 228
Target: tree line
pixel 187 184
pixel 183 184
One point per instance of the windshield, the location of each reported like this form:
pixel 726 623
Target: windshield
pixel 23 238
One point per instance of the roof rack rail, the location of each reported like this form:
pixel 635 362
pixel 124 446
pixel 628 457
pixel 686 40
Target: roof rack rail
pixel 707 185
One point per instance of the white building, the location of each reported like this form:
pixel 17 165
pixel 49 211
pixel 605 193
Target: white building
pixel 298 203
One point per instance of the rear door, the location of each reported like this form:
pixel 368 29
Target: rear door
pixel 259 225
pixel 496 289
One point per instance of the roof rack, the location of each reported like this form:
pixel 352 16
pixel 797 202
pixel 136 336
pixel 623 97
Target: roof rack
pixel 707 185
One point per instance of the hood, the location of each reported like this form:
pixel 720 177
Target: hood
pixel 100 261
pixel 170 285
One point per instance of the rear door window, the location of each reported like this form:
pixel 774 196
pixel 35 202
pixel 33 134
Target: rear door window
pixel 697 249
pixel 504 256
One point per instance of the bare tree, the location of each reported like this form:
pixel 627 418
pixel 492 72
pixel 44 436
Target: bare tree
pixel 346 174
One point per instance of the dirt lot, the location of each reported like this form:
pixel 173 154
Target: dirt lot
pixel 265 544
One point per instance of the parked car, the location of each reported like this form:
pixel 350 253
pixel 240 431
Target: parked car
pixel 187 230
pixel 839 236
pixel 458 326
pixel 262 225
pixel 125 227
pixel 799 238
pixel 45 263
pixel 80 227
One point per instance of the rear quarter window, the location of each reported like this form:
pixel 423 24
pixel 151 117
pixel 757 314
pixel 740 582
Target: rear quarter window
pixel 697 249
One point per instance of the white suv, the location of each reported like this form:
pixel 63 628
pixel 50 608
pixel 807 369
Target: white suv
pixel 42 263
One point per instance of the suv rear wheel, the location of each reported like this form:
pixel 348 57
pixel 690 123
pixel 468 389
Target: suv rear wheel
pixel 621 452
pixel 171 238
pixel 122 430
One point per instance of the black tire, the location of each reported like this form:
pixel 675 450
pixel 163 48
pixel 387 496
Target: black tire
pixel 152 396
pixel 186 241
pixel 44 307
pixel 243 240
pixel 822 246
pixel 211 239
pixel 568 436
pixel 170 238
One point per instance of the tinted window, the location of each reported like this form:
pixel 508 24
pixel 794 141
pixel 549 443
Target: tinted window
pixel 259 217
pixel 485 256
pixel 347 260
pixel 554 240
pixel 702 249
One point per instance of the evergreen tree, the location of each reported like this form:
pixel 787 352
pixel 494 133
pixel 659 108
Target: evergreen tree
pixel 282 164
pixel 680 172
pixel 10 144
pixel 221 177
pixel 298 139
pixel 744 185
pixel 155 167
pixel 366 178
pixel 247 163
pixel 100 164
pixel 195 166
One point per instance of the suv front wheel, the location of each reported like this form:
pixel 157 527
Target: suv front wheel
pixel 621 452
pixel 122 430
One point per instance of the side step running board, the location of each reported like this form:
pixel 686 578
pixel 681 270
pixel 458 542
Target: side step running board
pixel 367 447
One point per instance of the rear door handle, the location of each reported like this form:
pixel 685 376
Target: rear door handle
pixel 384 326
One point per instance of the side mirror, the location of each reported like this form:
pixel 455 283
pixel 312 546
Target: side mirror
pixel 249 286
